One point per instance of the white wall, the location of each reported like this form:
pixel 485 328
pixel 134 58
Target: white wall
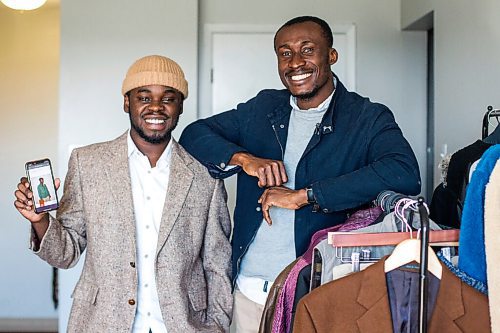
pixel 390 66
pixel 29 69
pixel 99 41
pixel 467 70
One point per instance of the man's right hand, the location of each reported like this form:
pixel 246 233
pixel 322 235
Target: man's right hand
pixel 269 172
pixel 24 201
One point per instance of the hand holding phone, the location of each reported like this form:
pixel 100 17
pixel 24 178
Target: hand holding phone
pixel 42 185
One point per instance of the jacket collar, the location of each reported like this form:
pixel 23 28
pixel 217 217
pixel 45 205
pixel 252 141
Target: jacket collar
pixel 118 174
pixel 281 114
pixel 374 298
pixel 180 179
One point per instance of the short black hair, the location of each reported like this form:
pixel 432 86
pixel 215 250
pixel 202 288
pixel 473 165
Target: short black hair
pixel 327 31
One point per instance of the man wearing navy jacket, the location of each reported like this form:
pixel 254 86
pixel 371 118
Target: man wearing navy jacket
pixel 305 157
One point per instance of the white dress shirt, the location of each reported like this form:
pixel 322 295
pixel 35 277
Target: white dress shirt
pixel 149 189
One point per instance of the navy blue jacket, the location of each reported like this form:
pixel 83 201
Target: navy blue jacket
pixel 356 152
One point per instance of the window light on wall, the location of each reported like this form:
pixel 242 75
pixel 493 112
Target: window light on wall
pixel 24 4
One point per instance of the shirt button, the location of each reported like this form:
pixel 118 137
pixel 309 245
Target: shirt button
pixel 241 247
pixel 132 264
pixel 149 313
pixel 131 302
pixel 148 198
pixel 282 126
pixel 146 285
pixel 223 165
pixel 325 210
pixel 145 256
pixel 149 171
pixel 147 226
pixel 258 209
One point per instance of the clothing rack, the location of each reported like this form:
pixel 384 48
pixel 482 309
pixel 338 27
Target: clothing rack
pixel 427 237
pixel 347 239
pixel 424 274
pixel 490 113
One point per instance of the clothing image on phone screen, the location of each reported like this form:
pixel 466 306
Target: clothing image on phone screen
pixel 41 181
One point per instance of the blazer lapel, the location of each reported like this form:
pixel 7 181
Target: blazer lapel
pixel 180 179
pixel 373 296
pixel 449 305
pixel 118 175
pixel 377 318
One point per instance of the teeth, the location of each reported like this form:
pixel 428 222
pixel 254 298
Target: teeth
pixel 300 77
pixel 155 121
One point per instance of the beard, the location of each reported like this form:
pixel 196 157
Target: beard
pixel 307 95
pixel 156 138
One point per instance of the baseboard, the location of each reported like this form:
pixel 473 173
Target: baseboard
pixel 38 325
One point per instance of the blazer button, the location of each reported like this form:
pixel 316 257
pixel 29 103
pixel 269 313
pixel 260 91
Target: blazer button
pixel 132 264
pixel 131 302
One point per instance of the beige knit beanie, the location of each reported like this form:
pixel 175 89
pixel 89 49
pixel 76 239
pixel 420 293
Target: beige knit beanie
pixel 155 69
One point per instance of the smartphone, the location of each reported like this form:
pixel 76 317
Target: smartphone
pixel 41 179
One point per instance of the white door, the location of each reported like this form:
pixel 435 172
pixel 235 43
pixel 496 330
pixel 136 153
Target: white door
pixel 239 61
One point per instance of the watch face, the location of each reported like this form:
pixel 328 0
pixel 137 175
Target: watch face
pixel 310 195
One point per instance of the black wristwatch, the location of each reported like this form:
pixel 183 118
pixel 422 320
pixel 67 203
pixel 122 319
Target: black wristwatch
pixel 310 195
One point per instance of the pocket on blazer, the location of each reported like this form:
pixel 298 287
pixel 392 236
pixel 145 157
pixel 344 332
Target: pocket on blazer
pixel 86 292
pixel 192 211
pixel 197 293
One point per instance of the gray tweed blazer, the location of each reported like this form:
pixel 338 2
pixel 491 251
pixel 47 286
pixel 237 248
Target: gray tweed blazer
pixel 193 254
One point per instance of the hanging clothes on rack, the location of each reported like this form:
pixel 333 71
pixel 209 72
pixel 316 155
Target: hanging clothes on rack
pixel 492 244
pixel 332 257
pixel 299 281
pixel 472 257
pixel 266 322
pixel 360 303
pixel 284 307
pixel 409 295
pixel 448 197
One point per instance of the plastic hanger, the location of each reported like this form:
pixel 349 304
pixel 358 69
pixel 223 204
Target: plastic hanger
pixel 408 251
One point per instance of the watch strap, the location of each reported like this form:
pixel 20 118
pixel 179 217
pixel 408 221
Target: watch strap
pixel 310 195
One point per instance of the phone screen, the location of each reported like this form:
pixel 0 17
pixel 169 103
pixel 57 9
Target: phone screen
pixel 41 181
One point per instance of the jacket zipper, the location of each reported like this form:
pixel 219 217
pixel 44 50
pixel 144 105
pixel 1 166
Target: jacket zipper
pixel 253 237
pixel 279 142
pixel 241 256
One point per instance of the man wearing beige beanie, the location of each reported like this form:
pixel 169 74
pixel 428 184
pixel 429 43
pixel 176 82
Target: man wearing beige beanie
pixel 154 223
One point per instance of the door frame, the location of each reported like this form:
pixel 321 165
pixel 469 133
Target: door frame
pixel 206 55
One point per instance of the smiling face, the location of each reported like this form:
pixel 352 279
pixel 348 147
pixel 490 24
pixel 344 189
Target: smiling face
pixel 154 112
pixel 304 60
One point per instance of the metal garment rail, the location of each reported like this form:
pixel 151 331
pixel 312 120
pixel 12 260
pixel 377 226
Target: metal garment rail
pixel 424 274
pixel 490 113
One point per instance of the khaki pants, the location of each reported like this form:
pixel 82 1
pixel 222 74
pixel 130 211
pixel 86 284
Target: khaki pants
pixel 246 314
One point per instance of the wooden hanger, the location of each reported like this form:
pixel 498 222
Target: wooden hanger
pixel 346 239
pixel 408 251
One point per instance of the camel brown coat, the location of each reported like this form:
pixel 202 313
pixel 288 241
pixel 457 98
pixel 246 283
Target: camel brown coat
pixel 359 303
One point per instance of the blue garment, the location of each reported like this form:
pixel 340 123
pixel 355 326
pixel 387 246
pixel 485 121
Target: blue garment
pixel 464 277
pixel 472 258
pixel 357 151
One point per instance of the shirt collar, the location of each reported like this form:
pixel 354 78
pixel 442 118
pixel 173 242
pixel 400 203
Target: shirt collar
pixel 164 159
pixel 322 107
